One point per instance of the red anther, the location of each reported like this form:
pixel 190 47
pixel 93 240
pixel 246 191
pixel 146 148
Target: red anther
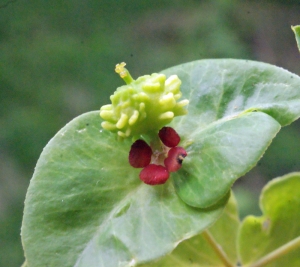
pixel 169 136
pixel 140 154
pixel 175 157
pixel 154 174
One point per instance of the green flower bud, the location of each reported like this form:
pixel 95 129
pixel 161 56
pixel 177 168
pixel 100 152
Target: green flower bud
pixel 143 105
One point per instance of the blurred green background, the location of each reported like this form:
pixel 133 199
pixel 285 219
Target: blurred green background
pixel 57 61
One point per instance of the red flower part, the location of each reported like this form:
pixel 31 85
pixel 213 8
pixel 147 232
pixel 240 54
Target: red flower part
pixel 175 157
pixel 154 174
pixel 140 154
pixel 169 136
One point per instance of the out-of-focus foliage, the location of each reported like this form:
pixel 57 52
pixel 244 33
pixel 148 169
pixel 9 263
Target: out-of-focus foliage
pixel 258 236
pixel 57 61
pixel 296 30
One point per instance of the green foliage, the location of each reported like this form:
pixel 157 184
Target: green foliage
pixel 296 30
pixel 85 205
pixel 258 236
pixel 85 193
pixel 197 251
pixel 56 62
pixel 220 128
pixel 251 239
pixel 57 58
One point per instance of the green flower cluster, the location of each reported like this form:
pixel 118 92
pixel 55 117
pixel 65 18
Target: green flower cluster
pixel 143 105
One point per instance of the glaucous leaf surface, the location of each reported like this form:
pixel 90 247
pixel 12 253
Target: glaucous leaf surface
pixel 86 206
pixel 224 138
pixel 197 252
pixel 279 224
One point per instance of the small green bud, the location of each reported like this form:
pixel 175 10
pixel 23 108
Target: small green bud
pixel 143 105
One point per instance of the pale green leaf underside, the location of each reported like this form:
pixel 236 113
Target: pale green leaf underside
pixel 279 224
pixel 86 206
pixel 224 142
pixel 197 252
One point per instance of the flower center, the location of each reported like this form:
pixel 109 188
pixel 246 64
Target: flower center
pixel 144 105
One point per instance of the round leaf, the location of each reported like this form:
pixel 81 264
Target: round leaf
pixel 86 206
pixel 279 224
pixel 222 139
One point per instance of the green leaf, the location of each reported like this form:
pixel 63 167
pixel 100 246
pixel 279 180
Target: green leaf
pixel 296 30
pixel 197 252
pixel 223 138
pixel 221 153
pixel 279 224
pixel 86 206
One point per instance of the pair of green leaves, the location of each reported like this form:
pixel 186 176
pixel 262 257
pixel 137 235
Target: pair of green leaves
pixel 86 206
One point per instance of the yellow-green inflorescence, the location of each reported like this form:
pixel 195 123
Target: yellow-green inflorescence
pixel 143 105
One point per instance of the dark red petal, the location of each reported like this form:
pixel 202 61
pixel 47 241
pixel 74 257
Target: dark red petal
pixel 169 136
pixel 140 154
pixel 175 157
pixel 154 174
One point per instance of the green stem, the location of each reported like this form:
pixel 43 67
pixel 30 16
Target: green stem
pixel 127 78
pixel 124 73
pixel 279 252
pixel 217 248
